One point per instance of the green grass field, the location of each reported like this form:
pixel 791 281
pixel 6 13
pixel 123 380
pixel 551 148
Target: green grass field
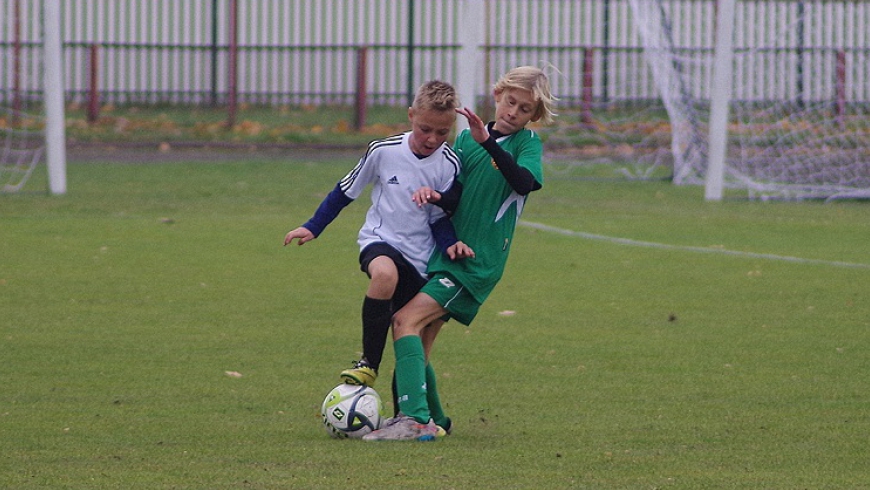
pixel 724 346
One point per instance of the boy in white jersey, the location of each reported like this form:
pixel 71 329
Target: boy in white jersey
pixel 398 236
pixel 501 165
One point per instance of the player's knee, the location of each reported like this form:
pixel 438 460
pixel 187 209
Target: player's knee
pixel 403 324
pixel 383 275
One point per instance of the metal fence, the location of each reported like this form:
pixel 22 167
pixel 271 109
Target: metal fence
pixel 307 51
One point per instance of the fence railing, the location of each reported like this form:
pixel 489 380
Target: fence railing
pixel 289 52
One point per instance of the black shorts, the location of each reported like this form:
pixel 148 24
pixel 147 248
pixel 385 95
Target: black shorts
pixel 410 281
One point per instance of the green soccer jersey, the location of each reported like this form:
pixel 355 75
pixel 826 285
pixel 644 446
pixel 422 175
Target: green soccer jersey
pixel 488 210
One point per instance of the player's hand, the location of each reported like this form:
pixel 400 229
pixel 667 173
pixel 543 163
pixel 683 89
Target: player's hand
pixel 425 195
pixel 459 250
pixel 475 124
pixel 302 234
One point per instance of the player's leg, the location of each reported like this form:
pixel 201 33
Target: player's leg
pixel 413 421
pixel 428 337
pixel 376 313
pixel 410 282
pixel 414 381
pixel 377 308
pixel 433 399
pixel 408 326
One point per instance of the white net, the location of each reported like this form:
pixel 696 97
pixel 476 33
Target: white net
pixel 23 145
pixel 22 136
pixel 799 115
pixel 639 120
pixel 799 122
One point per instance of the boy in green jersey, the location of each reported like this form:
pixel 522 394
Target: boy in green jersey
pixel 501 165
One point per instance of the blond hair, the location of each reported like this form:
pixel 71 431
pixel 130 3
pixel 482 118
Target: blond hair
pixel 437 96
pixel 535 81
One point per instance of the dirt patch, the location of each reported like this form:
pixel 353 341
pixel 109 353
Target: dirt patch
pixel 142 153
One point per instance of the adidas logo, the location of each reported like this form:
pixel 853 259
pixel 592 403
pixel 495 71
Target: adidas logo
pixel 393 180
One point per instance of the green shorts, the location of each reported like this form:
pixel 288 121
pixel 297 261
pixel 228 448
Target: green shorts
pixel 453 296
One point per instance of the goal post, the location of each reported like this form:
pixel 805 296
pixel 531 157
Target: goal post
pixel 720 95
pixel 55 132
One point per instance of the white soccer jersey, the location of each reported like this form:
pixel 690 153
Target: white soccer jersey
pixel 395 172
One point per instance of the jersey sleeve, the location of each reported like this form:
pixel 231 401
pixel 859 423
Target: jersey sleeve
pixel 530 155
pixel 518 177
pixel 444 234
pixel 365 171
pixel 328 210
pixel 345 192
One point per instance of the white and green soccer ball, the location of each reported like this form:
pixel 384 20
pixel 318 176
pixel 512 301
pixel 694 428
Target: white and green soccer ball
pixel 352 411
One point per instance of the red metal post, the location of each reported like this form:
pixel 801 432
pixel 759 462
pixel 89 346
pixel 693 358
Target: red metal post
pixel 94 94
pixel 841 87
pixel 588 80
pixel 233 67
pixel 16 64
pixel 361 89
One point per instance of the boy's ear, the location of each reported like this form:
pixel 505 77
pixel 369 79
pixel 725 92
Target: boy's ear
pixel 411 114
pixel 539 112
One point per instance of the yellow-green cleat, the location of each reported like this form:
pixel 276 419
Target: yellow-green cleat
pixel 361 374
pixel 444 429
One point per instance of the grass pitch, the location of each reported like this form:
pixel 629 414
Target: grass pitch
pixel 715 345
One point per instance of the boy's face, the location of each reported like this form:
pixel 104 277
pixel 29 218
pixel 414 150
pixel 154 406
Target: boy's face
pixel 429 129
pixel 514 108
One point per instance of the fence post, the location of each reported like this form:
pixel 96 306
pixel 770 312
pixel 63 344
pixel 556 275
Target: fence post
pixel 16 64
pixel 841 89
pixel 605 51
pixel 361 88
pixel 801 39
pixel 410 89
pixel 233 69
pixel 588 77
pixel 214 53
pixel 94 93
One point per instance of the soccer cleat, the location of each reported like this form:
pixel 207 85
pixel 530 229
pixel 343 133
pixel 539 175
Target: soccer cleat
pixel 446 429
pixel 403 428
pixel 361 374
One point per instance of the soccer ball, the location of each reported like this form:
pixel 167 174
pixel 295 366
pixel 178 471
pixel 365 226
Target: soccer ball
pixel 352 411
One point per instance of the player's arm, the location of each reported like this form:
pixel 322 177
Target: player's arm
pixel 328 210
pixel 519 178
pixel 450 198
pixel 447 200
pixel 446 240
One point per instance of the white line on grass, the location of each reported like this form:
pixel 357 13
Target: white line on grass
pixel 722 251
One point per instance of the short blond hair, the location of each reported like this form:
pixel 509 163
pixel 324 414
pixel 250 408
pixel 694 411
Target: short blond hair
pixel 437 96
pixel 534 80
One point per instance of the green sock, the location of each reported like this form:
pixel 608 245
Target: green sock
pixel 411 378
pixel 432 397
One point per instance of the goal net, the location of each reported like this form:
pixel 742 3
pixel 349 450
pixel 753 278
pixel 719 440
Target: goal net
pixel 22 133
pixel 799 111
pixel 799 123
pixel 31 77
pixel 23 146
